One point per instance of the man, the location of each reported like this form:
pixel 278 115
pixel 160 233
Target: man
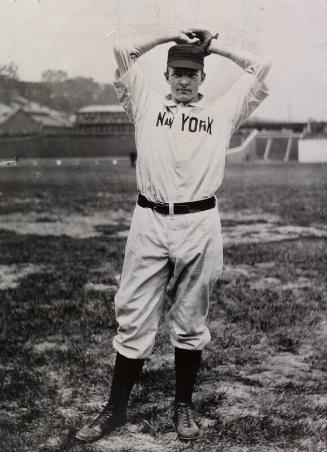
pixel 174 245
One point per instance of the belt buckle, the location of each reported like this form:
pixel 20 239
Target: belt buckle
pixel 171 209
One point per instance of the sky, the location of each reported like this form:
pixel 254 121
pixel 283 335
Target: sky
pixel 77 36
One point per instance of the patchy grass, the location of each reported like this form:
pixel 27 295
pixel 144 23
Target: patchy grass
pixel 263 381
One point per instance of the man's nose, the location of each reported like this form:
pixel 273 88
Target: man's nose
pixel 184 81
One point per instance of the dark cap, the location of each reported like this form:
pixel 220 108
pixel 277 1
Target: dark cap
pixel 185 55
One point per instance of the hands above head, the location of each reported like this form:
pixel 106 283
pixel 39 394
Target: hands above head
pixel 186 37
pixel 204 38
pixel 195 36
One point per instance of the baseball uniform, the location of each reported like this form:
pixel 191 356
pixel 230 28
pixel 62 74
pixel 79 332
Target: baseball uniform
pixel 181 158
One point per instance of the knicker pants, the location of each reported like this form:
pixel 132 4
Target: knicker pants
pixel 178 255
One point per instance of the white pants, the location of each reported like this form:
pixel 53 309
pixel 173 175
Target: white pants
pixel 178 255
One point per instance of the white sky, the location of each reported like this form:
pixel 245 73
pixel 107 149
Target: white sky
pixel 72 35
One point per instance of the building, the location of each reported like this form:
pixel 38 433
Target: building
pixel 273 125
pixel 15 121
pixel 49 120
pixel 30 118
pixel 265 145
pixel 258 139
pixel 103 119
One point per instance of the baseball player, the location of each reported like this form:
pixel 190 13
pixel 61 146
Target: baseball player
pixel 174 245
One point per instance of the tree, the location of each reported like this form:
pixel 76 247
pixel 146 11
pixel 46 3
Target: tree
pixel 54 76
pixel 8 81
pixel 9 71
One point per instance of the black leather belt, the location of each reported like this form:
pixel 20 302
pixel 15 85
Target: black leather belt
pixel 177 207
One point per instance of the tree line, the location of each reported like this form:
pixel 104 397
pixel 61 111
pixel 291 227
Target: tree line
pixel 56 90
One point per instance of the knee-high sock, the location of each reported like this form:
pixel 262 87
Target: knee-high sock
pixel 187 364
pixel 126 372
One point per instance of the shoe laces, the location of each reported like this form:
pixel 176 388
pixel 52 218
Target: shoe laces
pixel 184 413
pixel 105 415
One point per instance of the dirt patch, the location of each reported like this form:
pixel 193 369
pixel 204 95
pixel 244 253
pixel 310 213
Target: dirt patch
pixel 104 268
pixel 108 288
pixel 265 283
pixel 276 284
pixel 137 442
pixel 287 364
pixel 260 233
pixel 245 228
pixel 68 413
pixel 46 346
pixel 322 330
pixel 65 395
pixel 240 227
pixel 257 277
pixel 268 232
pixel 51 444
pixel 10 412
pixel 10 275
pixel 237 400
pixel 246 216
pixel 231 272
pixel 278 370
pixel 300 283
pixel 318 400
pixel 72 225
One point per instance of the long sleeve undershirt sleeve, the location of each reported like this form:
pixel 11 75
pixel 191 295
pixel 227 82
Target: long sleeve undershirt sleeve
pixel 126 53
pixel 133 91
pixel 249 90
pixel 249 62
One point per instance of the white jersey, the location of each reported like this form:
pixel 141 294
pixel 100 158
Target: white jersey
pixel 181 149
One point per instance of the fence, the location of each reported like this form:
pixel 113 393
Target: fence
pixel 265 145
pixel 268 146
pixel 66 145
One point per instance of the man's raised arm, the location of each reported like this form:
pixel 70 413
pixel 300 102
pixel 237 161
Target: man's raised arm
pixel 251 63
pixel 127 51
pixel 249 90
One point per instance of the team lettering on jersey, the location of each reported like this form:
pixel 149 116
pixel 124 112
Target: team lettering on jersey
pixel 189 123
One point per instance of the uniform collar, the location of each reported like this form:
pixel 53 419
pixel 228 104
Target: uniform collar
pixel 169 102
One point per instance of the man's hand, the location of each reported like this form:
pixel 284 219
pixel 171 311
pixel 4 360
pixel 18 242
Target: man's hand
pixel 204 38
pixel 186 37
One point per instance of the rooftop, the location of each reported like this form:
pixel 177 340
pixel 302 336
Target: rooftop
pixel 6 111
pixel 101 109
pixel 37 112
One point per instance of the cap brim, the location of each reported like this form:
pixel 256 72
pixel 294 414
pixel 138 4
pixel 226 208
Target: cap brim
pixel 185 63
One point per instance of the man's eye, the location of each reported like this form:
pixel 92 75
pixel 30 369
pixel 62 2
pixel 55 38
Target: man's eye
pixel 185 75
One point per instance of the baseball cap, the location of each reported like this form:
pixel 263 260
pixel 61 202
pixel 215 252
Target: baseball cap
pixel 186 55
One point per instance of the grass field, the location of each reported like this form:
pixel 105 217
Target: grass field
pixel 263 382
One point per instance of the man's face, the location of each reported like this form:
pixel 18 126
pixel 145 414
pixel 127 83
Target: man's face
pixel 184 83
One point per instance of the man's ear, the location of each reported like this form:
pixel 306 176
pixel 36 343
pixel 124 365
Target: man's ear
pixel 203 76
pixel 166 76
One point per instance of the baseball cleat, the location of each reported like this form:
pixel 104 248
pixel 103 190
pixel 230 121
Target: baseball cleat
pixel 185 424
pixel 108 420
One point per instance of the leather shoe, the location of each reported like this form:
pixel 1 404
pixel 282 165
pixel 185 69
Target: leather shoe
pixel 104 423
pixel 186 426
